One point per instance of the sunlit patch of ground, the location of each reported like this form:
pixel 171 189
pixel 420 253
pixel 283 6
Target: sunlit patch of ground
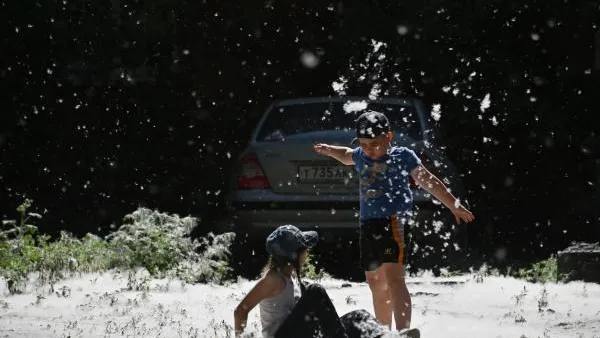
pixel 98 305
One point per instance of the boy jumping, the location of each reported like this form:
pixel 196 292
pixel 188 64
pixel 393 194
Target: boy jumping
pixel 385 204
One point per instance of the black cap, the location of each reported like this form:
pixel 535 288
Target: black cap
pixel 372 124
pixel 287 240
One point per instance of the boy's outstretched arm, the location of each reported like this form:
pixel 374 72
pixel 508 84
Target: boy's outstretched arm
pixel 342 154
pixel 434 186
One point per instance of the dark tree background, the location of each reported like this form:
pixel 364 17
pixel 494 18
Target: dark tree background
pixel 107 106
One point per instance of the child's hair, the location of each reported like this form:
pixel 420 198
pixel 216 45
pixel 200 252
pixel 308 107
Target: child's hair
pixel 274 264
pixel 277 263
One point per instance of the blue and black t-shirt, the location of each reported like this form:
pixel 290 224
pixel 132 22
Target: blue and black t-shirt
pixel 384 184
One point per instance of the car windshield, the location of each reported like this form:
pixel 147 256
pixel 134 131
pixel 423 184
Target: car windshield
pixel 290 120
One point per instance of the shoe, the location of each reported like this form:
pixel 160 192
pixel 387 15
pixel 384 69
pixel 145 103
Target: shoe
pixel 410 333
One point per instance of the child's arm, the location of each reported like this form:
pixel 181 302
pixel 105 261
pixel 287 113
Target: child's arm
pixel 434 186
pixel 342 154
pixel 265 287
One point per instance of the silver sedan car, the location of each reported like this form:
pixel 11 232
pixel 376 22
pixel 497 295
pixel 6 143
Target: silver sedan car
pixel 279 179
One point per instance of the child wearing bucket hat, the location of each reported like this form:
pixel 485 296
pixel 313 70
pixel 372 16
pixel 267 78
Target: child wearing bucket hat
pixel 290 310
pixel 287 308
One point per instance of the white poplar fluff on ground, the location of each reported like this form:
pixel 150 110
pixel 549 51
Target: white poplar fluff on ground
pixel 96 305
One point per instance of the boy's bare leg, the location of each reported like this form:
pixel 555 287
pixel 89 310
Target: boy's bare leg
pixel 381 295
pixel 401 302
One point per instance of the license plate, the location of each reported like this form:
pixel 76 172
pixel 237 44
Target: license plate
pixel 324 173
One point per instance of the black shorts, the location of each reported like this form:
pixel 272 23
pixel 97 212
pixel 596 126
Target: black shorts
pixel 381 241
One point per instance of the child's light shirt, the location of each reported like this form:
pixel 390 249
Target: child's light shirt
pixel 274 310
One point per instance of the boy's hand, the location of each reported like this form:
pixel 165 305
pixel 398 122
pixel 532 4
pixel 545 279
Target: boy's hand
pixel 341 154
pixel 461 213
pixel 322 149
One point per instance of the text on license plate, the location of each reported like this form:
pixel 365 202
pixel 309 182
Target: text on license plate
pixel 324 173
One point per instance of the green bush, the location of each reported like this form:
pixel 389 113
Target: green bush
pixel 310 271
pixel 208 262
pixel 69 255
pixel 162 244
pixel 19 252
pixel 155 241
pixel 541 272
